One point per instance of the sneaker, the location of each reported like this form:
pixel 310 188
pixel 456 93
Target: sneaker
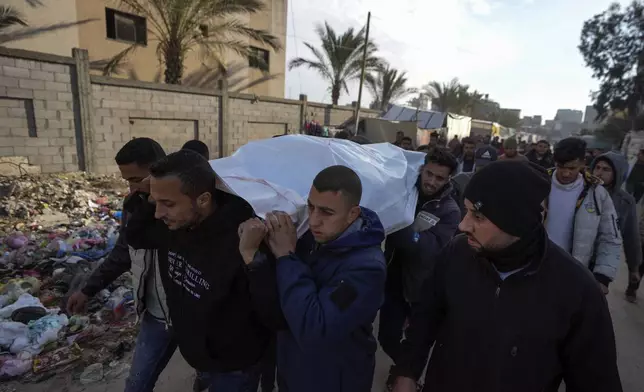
pixel 631 296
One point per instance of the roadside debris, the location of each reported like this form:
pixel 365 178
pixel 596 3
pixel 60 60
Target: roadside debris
pixel 54 230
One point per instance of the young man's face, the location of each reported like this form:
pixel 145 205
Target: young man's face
pixel 541 148
pixel 433 140
pixel 405 144
pixel 399 136
pixel 568 172
pixel 468 150
pixel 604 171
pixel 433 178
pixel 481 232
pixel 134 175
pixel 640 156
pixel 510 152
pixel 176 209
pixel 330 213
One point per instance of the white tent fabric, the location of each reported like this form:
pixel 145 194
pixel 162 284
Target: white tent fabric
pixel 276 175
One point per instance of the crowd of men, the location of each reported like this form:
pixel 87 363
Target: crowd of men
pixel 502 275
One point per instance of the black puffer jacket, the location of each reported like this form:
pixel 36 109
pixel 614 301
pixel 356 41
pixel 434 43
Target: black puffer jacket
pixel 526 333
pixel 221 312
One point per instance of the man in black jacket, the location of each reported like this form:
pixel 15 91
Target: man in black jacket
pixel 506 309
pixel 155 343
pixel 541 155
pixel 411 252
pixel 220 313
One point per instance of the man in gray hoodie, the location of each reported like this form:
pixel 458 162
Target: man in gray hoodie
pixel 611 168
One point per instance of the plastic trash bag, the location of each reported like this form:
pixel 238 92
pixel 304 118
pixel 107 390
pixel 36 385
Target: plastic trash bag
pixel 24 301
pixel 10 331
pixel 16 366
pixel 39 334
pixel 277 173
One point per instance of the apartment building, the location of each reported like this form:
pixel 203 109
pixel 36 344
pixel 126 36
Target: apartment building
pixel 113 30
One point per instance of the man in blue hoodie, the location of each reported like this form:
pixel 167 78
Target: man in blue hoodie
pixel 330 283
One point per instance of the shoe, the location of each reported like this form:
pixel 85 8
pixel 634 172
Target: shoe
pixel 631 296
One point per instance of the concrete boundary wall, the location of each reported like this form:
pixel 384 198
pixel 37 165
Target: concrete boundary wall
pixel 56 117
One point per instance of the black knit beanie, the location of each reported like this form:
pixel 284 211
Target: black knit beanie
pixel 510 193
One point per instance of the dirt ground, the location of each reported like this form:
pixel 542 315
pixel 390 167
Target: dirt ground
pixel 628 320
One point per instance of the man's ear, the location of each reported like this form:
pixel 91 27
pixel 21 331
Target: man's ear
pixel 204 199
pixel 354 213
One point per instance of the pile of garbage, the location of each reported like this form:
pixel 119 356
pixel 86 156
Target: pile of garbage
pixel 54 231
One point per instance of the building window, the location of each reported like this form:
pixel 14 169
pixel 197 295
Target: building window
pixel 258 58
pixel 126 27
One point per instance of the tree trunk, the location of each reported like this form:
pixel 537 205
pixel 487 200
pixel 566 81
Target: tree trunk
pixel 173 64
pixel 335 93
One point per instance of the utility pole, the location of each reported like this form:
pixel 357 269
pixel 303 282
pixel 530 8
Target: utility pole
pixel 364 64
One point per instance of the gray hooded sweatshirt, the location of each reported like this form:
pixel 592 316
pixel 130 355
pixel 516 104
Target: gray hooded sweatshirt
pixel 626 209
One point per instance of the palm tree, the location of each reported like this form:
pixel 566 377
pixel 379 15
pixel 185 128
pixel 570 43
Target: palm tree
pixel 444 95
pixel 386 85
pixel 208 26
pixel 14 26
pixel 453 96
pixel 340 59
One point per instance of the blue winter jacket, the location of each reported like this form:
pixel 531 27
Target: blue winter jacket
pixel 330 295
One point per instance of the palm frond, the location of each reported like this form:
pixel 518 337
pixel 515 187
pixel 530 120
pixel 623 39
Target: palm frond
pixel 115 65
pixel 33 31
pixel 10 16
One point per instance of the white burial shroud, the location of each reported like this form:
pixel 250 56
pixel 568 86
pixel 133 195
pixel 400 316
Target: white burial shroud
pixel 276 175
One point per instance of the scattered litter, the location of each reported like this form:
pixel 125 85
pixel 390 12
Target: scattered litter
pixel 54 231
pixel 92 373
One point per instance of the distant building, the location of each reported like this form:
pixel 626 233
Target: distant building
pixel 486 110
pixel 569 116
pixel 590 117
pixel 512 112
pixel 531 121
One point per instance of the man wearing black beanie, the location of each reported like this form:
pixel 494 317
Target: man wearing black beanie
pixel 507 308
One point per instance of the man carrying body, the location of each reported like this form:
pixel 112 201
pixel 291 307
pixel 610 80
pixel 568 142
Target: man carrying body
pixel 541 155
pixel 506 309
pixel 220 312
pixel 411 252
pixel 155 343
pixel 330 285
pixel 611 169
pixel 581 217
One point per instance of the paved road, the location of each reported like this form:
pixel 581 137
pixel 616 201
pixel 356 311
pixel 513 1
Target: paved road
pixel 628 320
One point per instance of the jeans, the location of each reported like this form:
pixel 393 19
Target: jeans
pixel 155 345
pixel 154 348
pixel 393 314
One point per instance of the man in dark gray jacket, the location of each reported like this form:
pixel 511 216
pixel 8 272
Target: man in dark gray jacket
pixel 155 343
pixel 612 167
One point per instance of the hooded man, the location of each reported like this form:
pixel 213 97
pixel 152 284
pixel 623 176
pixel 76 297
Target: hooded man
pixel 611 168
pixel 155 344
pixel 506 309
pixel 581 216
pixel 541 155
pixel 330 285
pixel 220 313
pixel 411 252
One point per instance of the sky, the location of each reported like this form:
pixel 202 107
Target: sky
pixel 523 53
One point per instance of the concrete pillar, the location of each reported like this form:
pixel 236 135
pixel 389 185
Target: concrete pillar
pixel 304 104
pixel 223 117
pixel 83 111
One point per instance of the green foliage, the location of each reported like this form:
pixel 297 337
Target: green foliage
pixel 613 48
pixel 386 85
pixel 339 60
